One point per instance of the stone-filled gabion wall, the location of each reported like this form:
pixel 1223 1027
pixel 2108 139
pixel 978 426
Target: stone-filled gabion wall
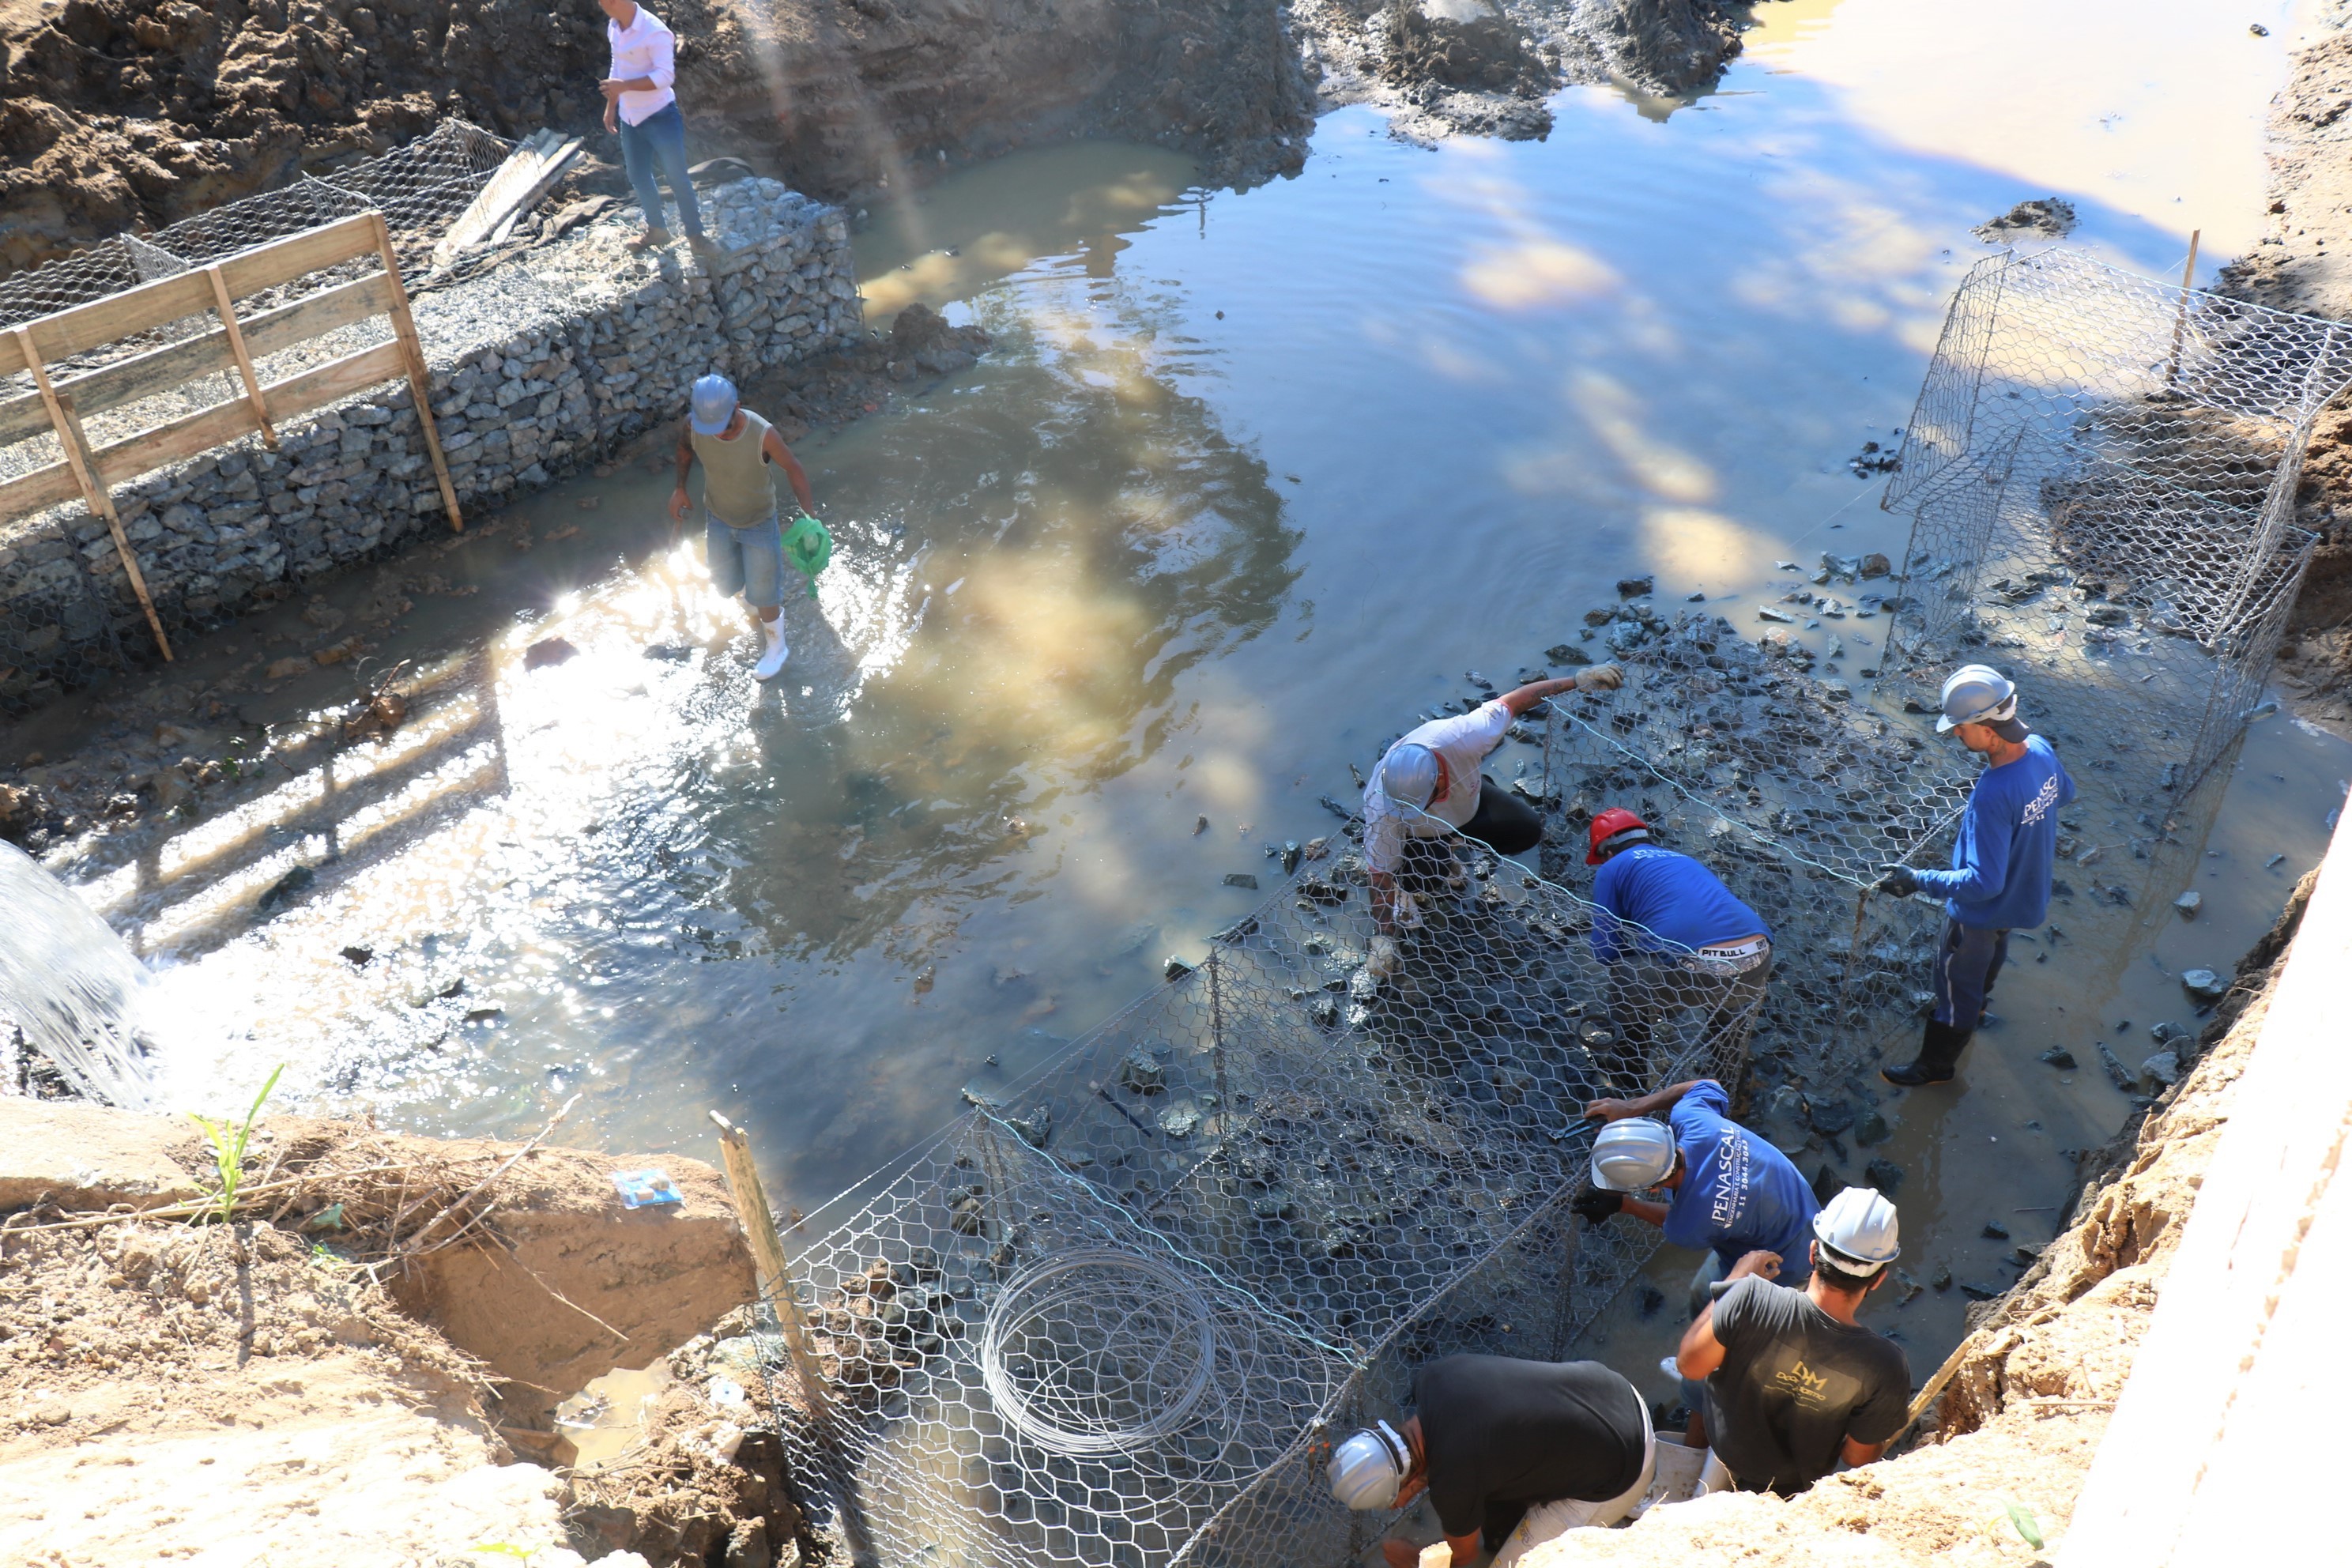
pixel 537 367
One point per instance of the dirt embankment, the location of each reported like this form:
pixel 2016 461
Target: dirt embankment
pixel 361 1368
pixel 121 114
pixel 2009 1445
pixel 2305 264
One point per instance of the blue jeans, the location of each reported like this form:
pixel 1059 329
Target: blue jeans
pixel 1966 963
pixel 661 140
pixel 746 561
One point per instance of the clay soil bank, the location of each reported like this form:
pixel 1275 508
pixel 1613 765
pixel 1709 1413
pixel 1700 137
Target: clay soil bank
pixel 362 1367
pixel 121 114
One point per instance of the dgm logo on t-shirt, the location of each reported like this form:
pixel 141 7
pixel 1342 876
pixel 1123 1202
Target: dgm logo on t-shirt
pixel 1812 1390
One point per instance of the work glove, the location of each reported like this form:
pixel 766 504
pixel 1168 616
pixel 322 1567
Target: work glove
pixel 1897 881
pixel 1382 962
pixel 1600 677
pixel 1594 1205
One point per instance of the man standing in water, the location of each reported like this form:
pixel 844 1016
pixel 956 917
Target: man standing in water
pixel 641 107
pixel 1999 880
pixel 739 504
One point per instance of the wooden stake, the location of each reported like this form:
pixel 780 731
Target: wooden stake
pixel 776 1283
pixel 244 361
pixel 93 493
pixel 2181 322
pixel 404 329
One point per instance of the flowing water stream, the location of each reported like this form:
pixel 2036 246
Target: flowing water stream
pixel 1249 481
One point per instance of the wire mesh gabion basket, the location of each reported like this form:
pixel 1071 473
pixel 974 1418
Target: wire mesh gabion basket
pixel 1099 1351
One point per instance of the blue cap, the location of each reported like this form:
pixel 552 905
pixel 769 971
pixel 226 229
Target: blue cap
pixel 711 405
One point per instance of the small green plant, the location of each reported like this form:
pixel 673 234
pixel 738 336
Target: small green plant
pixel 228 1151
pixel 2027 1525
pixel 505 1549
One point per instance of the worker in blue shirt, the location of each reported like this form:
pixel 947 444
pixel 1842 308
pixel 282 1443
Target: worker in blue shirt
pixel 1999 880
pixel 1728 1192
pixel 1674 937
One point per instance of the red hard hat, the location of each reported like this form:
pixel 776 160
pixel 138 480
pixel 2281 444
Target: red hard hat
pixel 1608 826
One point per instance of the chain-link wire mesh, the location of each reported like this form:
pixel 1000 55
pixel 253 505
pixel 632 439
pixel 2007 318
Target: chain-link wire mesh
pixel 2101 475
pixel 418 187
pixel 1109 1317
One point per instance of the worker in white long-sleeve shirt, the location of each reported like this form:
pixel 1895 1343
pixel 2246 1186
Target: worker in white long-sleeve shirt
pixel 1428 787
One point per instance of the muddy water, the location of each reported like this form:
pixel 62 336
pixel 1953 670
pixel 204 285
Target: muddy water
pixel 1249 479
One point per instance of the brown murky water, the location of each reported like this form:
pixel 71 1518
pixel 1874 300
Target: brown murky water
pixel 1249 479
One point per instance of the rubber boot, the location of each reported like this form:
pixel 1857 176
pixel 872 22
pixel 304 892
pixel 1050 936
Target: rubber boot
pixel 1938 1054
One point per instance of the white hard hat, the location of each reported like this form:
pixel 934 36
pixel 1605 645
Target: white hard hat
pixel 1977 694
pixel 1368 1469
pixel 1857 1228
pixel 1409 774
pixel 1632 1155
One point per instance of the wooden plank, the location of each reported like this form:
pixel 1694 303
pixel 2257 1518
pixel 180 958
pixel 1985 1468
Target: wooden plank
pixel 226 309
pixel 120 462
pixel 283 260
pixel 334 380
pixel 126 460
pixel 315 315
pixel 420 379
pixel 85 327
pixel 12 358
pixel 94 495
pixel 527 175
pixel 37 491
pixel 125 381
pixel 159 370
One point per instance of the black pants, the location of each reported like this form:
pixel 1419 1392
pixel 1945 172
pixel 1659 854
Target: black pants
pixel 1503 822
pixel 1966 966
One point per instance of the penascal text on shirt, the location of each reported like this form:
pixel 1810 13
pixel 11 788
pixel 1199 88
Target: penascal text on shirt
pixel 2008 843
pixel 1739 1194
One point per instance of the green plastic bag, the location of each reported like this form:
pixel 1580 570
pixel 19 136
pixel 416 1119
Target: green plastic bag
pixel 809 547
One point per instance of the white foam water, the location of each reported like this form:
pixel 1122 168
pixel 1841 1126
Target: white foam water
pixel 76 994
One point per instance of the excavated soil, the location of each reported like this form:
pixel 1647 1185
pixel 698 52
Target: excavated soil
pixel 123 115
pixel 361 1367
pixel 2008 1447
pixel 120 115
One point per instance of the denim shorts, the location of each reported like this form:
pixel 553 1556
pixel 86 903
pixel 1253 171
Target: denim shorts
pixel 746 561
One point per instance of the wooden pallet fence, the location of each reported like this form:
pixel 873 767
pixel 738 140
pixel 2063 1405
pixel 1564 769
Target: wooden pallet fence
pixel 58 406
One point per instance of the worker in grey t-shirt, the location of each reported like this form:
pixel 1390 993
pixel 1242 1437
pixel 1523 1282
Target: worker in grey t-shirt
pixel 1794 1384
pixel 746 541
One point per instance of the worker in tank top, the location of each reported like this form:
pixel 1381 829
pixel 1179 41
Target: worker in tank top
pixel 746 543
